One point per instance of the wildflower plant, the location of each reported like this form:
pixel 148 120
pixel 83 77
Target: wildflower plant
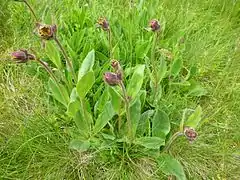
pixel 120 115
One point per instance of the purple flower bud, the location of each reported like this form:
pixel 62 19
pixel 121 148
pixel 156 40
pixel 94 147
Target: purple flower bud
pixel 190 134
pixel 103 23
pixel 154 25
pixel 111 79
pixel 46 31
pixel 22 56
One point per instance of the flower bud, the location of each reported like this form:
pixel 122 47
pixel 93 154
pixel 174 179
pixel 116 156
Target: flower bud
pixel 103 23
pixel 115 65
pixel 190 134
pixel 154 25
pixel 22 56
pixel 46 31
pixel 111 79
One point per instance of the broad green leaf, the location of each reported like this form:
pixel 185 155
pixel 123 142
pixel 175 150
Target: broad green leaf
pixel 53 54
pixel 116 99
pixel 162 70
pixel 87 64
pixel 82 124
pixel 135 114
pixel 194 118
pixel 142 48
pixel 171 166
pixel 176 67
pixel 150 142
pixel 85 84
pixel 59 92
pixel 143 95
pixel 143 124
pixel 74 104
pixel 136 81
pixel 160 124
pixel 79 145
pixel 104 117
pixel 196 89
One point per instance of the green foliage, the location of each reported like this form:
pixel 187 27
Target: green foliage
pixel 195 118
pixel 136 81
pixel 171 166
pixel 85 84
pixel 160 124
pixel 53 54
pixel 97 116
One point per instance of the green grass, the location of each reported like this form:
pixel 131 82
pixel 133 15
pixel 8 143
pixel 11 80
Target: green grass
pixel 34 136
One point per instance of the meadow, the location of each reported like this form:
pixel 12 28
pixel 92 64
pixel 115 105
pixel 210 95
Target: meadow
pixel 79 121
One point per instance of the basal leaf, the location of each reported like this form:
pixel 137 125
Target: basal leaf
pixel 74 104
pixel 135 114
pixel 196 89
pixel 150 142
pixel 143 124
pixel 194 118
pixel 162 70
pixel 116 99
pixel 176 67
pixel 104 117
pixel 87 64
pixel 85 84
pixel 160 124
pixel 59 92
pixel 171 166
pixel 53 54
pixel 136 81
pixel 82 124
pixel 79 145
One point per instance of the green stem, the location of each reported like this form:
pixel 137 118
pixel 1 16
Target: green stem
pixel 68 61
pixel 46 67
pixel 171 140
pixel 154 64
pixel 31 9
pixel 110 44
pixel 127 110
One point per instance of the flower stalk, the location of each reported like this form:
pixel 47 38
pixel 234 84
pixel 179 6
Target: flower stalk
pixel 31 9
pixel 68 61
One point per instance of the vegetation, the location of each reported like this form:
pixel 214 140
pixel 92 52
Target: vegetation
pixel 119 98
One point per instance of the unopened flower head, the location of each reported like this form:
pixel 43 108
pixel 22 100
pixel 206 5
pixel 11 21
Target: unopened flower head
pixel 154 25
pixel 22 56
pixel 46 31
pixel 190 134
pixel 103 23
pixel 112 79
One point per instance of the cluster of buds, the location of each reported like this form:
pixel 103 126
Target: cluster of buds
pixel 154 25
pixel 103 23
pixel 190 134
pixel 114 78
pixel 45 31
pixel 22 56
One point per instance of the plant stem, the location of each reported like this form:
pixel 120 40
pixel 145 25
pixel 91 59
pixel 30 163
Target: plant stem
pixel 154 64
pixel 110 43
pixel 171 140
pixel 127 110
pixel 31 9
pixel 48 70
pixel 68 61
